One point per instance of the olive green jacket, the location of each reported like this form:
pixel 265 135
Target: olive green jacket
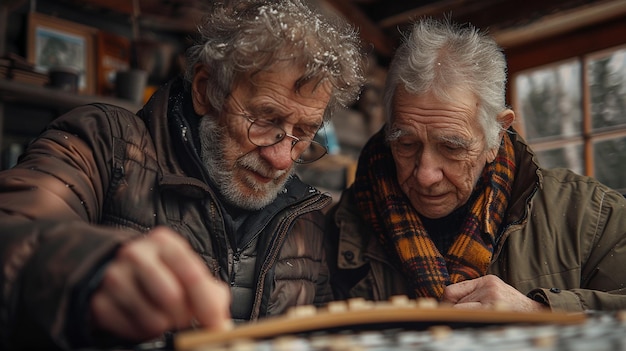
pixel 563 243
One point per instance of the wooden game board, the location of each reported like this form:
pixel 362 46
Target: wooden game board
pixel 362 314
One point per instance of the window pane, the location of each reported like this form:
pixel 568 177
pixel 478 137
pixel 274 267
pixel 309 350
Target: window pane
pixel 607 87
pixel 570 156
pixel 549 100
pixel 610 162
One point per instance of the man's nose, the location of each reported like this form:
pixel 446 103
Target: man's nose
pixel 279 154
pixel 428 168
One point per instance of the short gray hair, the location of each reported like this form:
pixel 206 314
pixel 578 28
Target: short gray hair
pixel 251 36
pixel 438 56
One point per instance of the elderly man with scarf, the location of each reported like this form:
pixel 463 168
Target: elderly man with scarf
pixel 450 202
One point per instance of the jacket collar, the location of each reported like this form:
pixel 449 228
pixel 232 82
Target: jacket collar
pixel 177 165
pixel 527 180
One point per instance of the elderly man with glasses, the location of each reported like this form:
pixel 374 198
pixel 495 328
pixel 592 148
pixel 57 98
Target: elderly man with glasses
pixel 118 228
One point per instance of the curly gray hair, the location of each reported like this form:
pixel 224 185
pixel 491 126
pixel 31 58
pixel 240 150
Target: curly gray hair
pixel 437 56
pixel 251 36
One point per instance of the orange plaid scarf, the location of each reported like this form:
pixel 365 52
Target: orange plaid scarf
pixel 387 209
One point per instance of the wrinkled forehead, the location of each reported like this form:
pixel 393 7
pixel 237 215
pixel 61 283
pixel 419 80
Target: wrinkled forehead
pixel 435 95
pixel 457 107
pixel 289 74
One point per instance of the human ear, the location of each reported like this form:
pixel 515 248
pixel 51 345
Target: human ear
pixel 505 119
pixel 199 86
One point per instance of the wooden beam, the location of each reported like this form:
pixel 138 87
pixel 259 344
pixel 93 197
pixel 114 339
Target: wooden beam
pixel 562 22
pixel 594 38
pixel 369 31
pixel 435 8
pixel 120 6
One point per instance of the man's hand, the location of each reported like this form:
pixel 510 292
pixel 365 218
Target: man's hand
pixel 489 292
pixel 155 284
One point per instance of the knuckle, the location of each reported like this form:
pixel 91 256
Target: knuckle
pixel 130 252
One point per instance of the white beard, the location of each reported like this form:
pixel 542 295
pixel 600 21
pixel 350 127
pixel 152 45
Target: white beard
pixel 214 143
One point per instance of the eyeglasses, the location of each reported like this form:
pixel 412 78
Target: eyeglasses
pixel 265 133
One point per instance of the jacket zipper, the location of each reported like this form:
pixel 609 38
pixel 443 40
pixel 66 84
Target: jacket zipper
pixel 308 205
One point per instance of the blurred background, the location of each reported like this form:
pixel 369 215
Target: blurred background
pixel 567 70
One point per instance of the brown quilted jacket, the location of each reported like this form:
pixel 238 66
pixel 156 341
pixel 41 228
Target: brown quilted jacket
pixel 100 175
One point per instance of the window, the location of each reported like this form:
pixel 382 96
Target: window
pixel 573 114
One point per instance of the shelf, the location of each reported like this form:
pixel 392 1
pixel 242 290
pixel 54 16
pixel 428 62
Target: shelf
pixel 45 97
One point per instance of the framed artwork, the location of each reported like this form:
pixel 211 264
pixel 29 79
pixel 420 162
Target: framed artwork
pixel 113 55
pixel 57 43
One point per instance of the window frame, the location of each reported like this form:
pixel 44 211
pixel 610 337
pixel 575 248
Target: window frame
pixel 580 44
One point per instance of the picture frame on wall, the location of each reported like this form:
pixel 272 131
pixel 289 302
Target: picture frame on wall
pixel 55 43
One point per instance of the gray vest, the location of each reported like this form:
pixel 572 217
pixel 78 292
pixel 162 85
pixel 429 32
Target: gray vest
pixel 242 283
